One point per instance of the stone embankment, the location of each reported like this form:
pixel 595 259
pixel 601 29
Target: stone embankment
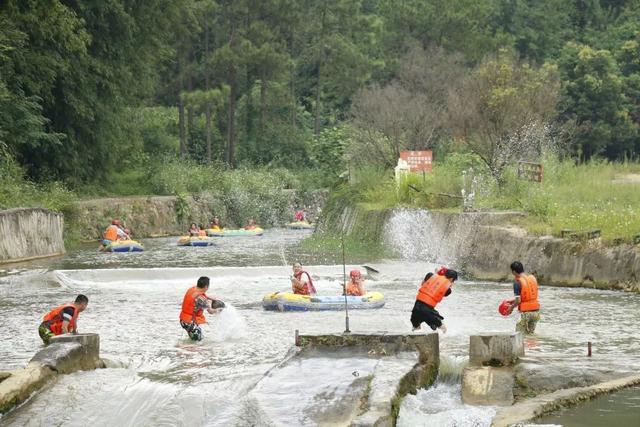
pixel 484 244
pixel 379 370
pixel 65 354
pixel 29 234
pixel 538 406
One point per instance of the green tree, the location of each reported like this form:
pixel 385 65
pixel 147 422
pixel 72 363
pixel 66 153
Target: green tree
pixel 593 97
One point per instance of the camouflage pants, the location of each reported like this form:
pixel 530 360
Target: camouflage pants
pixel 45 333
pixel 528 321
pixel 194 331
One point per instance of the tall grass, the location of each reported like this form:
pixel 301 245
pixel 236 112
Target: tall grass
pixel 579 197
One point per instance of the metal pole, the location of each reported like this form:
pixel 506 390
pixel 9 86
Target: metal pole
pixel 344 285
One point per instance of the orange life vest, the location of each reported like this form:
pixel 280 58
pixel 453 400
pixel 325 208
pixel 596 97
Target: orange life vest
pixel 202 233
pixel 528 293
pixel 354 290
pixel 53 320
pixel 308 287
pixel 189 304
pixel 432 291
pixel 111 233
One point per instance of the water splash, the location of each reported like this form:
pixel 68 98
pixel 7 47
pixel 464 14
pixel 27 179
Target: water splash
pixel 443 407
pixel 416 234
pixel 228 325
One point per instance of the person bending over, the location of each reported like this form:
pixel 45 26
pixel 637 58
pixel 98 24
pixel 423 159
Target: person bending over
pixel 431 292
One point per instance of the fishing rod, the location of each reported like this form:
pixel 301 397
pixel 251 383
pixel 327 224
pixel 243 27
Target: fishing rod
pixel 344 285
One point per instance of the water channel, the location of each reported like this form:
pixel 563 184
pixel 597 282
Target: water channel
pixel 158 377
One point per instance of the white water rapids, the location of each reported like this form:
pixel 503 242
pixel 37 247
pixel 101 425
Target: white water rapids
pixel 160 378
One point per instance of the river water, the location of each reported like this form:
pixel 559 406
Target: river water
pixel 158 377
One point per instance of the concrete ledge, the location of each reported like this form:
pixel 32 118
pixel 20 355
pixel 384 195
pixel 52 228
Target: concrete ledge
pixel 65 354
pixel 70 353
pixel 545 404
pixel 377 343
pixel 487 386
pixel 396 374
pixel 495 349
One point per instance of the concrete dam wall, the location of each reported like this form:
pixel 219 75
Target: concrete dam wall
pixel 484 244
pixel 30 233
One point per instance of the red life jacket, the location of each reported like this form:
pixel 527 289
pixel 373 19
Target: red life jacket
pixel 308 287
pixel 432 291
pixel 189 304
pixel 528 293
pixel 353 289
pixel 53 320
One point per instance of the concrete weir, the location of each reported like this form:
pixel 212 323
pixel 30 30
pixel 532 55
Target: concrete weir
pixel 65 354
pixel 489 379
pixel 348 379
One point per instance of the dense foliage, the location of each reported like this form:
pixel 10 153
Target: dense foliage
pixel 95 93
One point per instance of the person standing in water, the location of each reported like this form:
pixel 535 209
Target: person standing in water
pixel 433 289
pixel 194 303
pixel 301 282
pixel 62 319
pixel 525 289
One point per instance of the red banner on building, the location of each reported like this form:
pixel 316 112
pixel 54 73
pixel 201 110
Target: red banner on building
pixel 418 161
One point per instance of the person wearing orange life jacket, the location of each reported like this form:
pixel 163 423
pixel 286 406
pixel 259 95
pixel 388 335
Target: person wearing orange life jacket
pixel 525 289
pixel 301 282
pixel 355 287
pixel 114 232
pixel 62 319
pixel 201 231
pixel 194 303
pixel 433 289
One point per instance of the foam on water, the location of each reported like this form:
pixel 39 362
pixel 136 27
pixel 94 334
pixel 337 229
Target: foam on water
pixel 441 406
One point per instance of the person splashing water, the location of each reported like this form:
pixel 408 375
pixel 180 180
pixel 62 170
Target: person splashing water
pixel 193 305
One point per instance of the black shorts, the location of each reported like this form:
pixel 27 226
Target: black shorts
pixel 424 313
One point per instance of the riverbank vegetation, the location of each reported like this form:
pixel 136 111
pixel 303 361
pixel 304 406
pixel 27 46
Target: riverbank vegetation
pixel 166 97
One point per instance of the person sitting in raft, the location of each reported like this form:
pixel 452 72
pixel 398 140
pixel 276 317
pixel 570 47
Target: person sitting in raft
pixel 355 287
pixel 201 231
pixel 251 225
pixel 194 230
pixel 113 233
pixel 194 303
pixel 301 282
pixel 215 224
pixel 62 319
pixel 431 292
pixel 300 215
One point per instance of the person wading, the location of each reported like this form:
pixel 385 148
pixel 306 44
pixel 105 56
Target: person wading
pixel 62 319
pixel 431 292
pixel 525 289
pixel 194 303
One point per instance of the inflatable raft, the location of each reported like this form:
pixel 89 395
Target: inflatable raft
pixel 235 233
pixel 300 225
pixel 123 246
pixel 287 301
pixel 195 241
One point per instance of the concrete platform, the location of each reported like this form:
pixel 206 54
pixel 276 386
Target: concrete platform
pixel 65 354
pixel 349 379
pixel 495 349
